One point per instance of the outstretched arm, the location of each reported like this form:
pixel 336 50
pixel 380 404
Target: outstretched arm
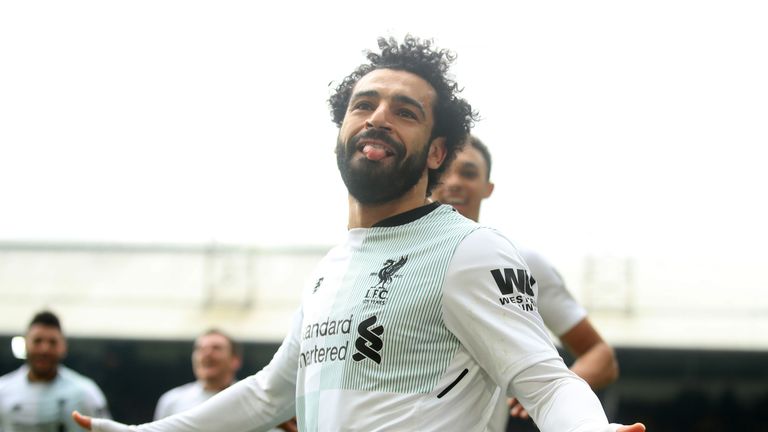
pixel 595 360
pixel 256 403
pixel 83 421
pixel 528 364
pixel 565 317
pixel 637 427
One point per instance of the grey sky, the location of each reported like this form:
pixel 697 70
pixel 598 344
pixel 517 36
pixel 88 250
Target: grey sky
pixel 616 127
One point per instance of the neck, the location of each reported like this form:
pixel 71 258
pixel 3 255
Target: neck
pixel 44 377
pixel 475 216
pixel 366 215
pixel 217 385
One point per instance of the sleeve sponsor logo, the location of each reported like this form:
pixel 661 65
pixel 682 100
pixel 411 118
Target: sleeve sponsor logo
pixel 516 287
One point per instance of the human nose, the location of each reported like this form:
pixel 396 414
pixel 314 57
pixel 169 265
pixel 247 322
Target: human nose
pixel 43 347
pixel 379 118
pixel 451 182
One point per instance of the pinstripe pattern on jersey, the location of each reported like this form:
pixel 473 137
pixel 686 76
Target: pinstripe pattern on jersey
pixel 417 345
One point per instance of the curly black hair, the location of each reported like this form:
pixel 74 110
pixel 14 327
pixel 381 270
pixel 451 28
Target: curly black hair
pixel 483 149
pixel 453 115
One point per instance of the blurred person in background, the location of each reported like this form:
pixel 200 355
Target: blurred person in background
pixel 465 184
pixel 41 394
pixel 216 358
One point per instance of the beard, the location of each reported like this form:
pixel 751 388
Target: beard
pixel 43 366
pixel 378 182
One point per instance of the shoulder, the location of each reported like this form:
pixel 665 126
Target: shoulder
pixel 180 391
pixel 486 245
pixel 534 259
pixel 75 379
pixel 9 376
pixel 448 214
pixel 486 258
pixel 179 399
pixel 71 375
pixel 13 378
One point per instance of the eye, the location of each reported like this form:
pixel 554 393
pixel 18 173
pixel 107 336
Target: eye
pixel 362 105
pixel 406 113
pixel 469 174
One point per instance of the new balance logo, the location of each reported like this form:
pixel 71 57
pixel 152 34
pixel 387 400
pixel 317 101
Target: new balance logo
pixel 513 279
pixel 369 343
pixel 317 285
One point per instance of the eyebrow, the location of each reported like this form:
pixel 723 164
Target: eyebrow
pixel 399 98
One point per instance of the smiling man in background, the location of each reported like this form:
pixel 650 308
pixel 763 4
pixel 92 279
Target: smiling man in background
pixel 42 393
pixel 216 359
pixel 465 184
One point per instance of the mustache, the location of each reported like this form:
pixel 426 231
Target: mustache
pixel 376 134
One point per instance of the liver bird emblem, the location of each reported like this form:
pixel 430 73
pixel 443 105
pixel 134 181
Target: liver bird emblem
pixel 390 268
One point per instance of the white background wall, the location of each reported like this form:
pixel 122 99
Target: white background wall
pixel 154 291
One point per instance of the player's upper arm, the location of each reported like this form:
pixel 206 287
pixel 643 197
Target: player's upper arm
pixel 490 305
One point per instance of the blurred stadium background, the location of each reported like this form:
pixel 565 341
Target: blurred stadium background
pixel 131 312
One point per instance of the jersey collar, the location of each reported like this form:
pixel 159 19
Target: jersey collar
pixel 407 217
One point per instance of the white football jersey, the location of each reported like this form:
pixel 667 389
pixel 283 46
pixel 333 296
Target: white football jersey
pixel 411 325
pixel 182 398
pixel 38 406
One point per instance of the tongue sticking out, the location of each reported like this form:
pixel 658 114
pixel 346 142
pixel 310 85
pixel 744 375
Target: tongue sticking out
pixel 374 152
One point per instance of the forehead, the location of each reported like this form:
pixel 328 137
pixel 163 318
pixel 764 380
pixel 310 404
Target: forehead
pixel 390 82
pixel 470 155
pixel 211 340
pixel 43 331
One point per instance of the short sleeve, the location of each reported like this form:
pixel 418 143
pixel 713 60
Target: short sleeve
pixel 557 307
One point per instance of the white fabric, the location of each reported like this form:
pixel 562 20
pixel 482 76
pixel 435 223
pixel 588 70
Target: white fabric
pixel 26 406
pixel 425 348
pixel 184 397
pixel 557 307
pixel 181 399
